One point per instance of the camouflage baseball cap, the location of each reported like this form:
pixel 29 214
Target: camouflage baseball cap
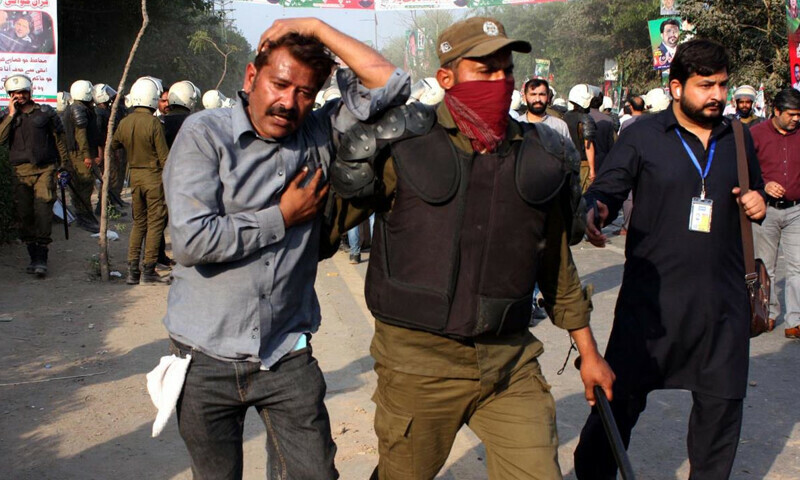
pixel 474 38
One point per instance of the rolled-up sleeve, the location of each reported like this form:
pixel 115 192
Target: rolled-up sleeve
pixel 201 230
pixel 362 102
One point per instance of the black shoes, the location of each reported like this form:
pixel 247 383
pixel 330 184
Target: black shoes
pixel 151 277
pixel 88 223
pixel 134 274
pixel 355 259
pixel 38 265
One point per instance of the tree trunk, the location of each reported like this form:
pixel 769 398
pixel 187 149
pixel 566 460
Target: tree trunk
pixel 104 273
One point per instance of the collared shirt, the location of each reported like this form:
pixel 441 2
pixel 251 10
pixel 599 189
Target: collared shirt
pixel 779 157
pixel 560 126
pixel 244 285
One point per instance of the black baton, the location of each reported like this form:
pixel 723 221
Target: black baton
pixel 612 432
pixel 64 213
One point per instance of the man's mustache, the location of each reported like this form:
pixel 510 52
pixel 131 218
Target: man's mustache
pixel 281 111
pixel 719 105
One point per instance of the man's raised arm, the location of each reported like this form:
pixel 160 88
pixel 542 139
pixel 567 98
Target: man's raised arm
pixel 370 66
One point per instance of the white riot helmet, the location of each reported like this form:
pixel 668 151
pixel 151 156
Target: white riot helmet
pixel 581 95
pixel 516 100
pixel 15 83
pixel 560 102
pixel 102 93
pixel 184 93
pixel 62 100
pixel 213 99
pixel 81 91
pixel 144 93
pixel 656 100
pixel 608 104
pixel 432 95
pixel 745 91
pixel 127 99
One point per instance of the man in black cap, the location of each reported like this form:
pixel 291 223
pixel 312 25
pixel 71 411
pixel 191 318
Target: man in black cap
pixel 471 214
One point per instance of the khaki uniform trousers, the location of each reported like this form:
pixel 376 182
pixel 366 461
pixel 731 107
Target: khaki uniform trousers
pixel 83 181
pixel 585 176
pixel 119 165
pixel 149 221
pixel 34 195
pixel 417 418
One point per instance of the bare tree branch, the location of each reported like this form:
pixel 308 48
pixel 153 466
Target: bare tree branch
pixel 104 273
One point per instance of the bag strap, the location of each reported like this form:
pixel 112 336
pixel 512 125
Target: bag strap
pixel 744 186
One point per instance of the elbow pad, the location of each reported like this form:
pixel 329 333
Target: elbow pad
pixel 353 170
pixel 80 115
pixel 589 128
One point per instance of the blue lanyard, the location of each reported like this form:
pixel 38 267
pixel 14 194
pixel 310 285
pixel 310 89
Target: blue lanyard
pixel 703 174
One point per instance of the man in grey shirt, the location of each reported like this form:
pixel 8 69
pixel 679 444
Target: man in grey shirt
pixel 245 187
pixel 537 97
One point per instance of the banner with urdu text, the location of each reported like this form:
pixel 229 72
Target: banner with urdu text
pixel 29 45
pixel 397 4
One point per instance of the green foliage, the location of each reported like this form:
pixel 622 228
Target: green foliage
pixel 576 37
pixel 754 33
pixel 96 37
pixel 430 23
pixel 579 35
pixel 8 213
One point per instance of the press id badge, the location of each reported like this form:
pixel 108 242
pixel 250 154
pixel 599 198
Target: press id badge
pixel 700 217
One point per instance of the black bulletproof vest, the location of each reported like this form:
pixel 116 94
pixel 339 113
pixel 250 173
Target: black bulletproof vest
pixel 457 254
pixel 32 140
pixel 172 125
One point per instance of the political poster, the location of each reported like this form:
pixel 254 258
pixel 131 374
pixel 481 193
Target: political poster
pixel 29 45
pixel 392 4
pixel 541 68
pixel 793 28
pixel 669 7
pixel 610 70
pixel 419 4
pixel 664 36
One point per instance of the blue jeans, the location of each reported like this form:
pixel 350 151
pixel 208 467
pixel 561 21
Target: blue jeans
pixel 354 238
pixel 289 399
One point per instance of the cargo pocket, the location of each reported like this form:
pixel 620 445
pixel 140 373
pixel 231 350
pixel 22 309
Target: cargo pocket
pixel 394 433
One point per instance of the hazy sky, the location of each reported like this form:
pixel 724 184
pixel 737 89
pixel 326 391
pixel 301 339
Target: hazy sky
pixel 253 18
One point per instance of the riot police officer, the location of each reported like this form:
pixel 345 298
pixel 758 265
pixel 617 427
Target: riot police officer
pixel 35 139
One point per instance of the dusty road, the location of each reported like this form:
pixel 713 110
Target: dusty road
pixel 108 335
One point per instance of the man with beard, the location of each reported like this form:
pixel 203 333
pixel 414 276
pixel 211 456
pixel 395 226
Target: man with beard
pixel 245 188
pixel 471 214
pixel 670 32
pixel 777 144
pixel 682 319
pixel 537 97
pixel 744 97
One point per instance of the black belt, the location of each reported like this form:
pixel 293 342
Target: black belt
pixel 782 204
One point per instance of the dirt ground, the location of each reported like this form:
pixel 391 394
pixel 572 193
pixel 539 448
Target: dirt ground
pixel 74 352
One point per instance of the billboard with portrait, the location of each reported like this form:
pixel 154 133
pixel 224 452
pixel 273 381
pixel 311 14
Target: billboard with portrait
pixel 28 45
pixel 793 28
pixel 669 7
pixel 664 36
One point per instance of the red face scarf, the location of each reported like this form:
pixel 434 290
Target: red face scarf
pixel 480 110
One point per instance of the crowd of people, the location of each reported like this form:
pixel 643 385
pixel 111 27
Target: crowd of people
pixel 476 201
pixel 65 146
